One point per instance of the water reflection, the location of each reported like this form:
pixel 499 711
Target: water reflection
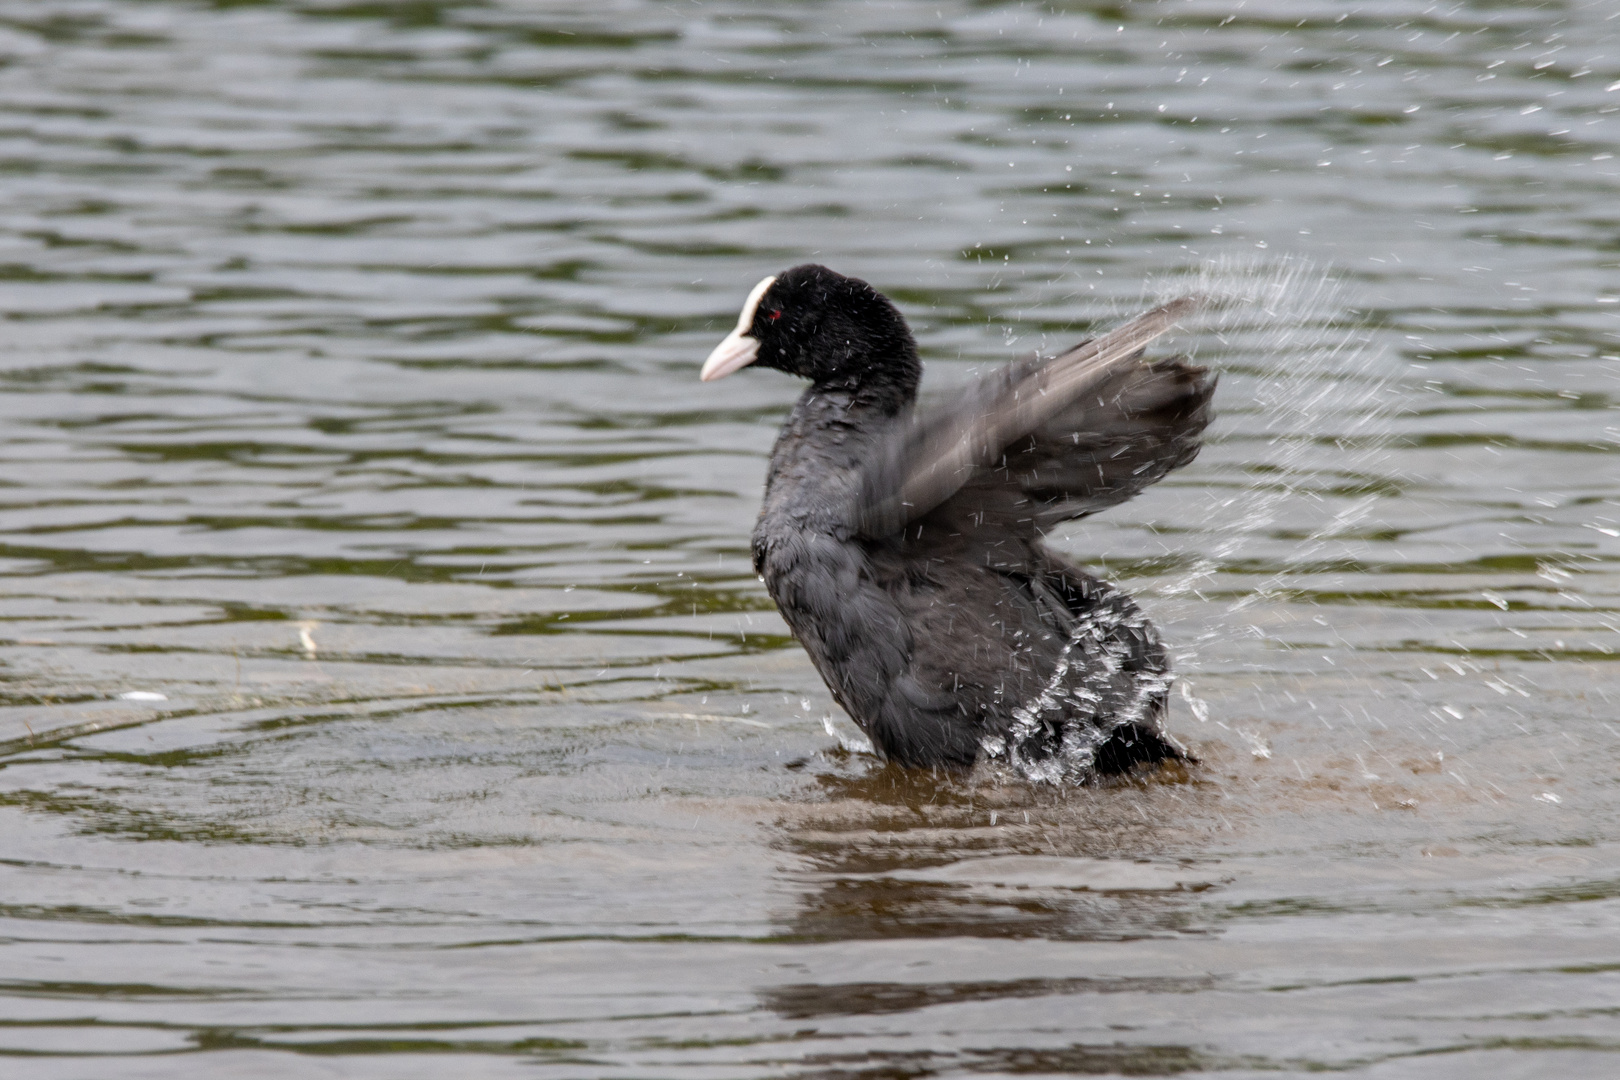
pixel 897 854
pixel 809 1001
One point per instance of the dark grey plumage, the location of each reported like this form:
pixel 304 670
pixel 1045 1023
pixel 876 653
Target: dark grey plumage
pixel 902 545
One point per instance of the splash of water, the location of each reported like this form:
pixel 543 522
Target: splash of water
pixel 1057 736
pixel 1300 380
pixel 1307 389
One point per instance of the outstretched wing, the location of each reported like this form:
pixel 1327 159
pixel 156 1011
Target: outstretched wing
pixel 1039 442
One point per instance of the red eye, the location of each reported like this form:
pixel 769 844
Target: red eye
pixel 774 315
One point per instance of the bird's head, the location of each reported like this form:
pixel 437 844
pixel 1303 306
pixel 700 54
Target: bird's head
pixel 822 326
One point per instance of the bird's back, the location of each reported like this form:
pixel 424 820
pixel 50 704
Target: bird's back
pixel 1027 658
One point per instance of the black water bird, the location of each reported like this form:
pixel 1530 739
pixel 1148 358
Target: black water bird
pixel 903 544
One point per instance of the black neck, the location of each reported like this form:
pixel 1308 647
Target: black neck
pixel 885 387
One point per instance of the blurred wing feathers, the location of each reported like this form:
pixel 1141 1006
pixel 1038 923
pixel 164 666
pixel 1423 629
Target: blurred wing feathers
pixel 1039 442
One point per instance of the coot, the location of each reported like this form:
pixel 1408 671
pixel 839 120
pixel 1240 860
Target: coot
pixel 903 544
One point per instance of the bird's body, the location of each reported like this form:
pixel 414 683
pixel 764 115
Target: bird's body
pixel 903 546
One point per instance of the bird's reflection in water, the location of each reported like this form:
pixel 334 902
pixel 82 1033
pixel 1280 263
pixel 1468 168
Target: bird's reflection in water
pixel 907 853
pixel 1081 1059
pixel 894 854
pixel 810 1001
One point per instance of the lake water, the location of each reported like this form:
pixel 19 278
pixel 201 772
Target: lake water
pixel 349 403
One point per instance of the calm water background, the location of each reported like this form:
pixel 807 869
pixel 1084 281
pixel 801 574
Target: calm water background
pixel 349 403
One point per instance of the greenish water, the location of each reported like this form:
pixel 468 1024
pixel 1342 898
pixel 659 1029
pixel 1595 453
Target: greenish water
pixel 349 403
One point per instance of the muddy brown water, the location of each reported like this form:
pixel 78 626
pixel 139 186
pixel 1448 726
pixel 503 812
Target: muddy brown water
pixel 386 692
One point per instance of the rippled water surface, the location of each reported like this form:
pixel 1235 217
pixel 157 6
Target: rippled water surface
pixel 386 692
